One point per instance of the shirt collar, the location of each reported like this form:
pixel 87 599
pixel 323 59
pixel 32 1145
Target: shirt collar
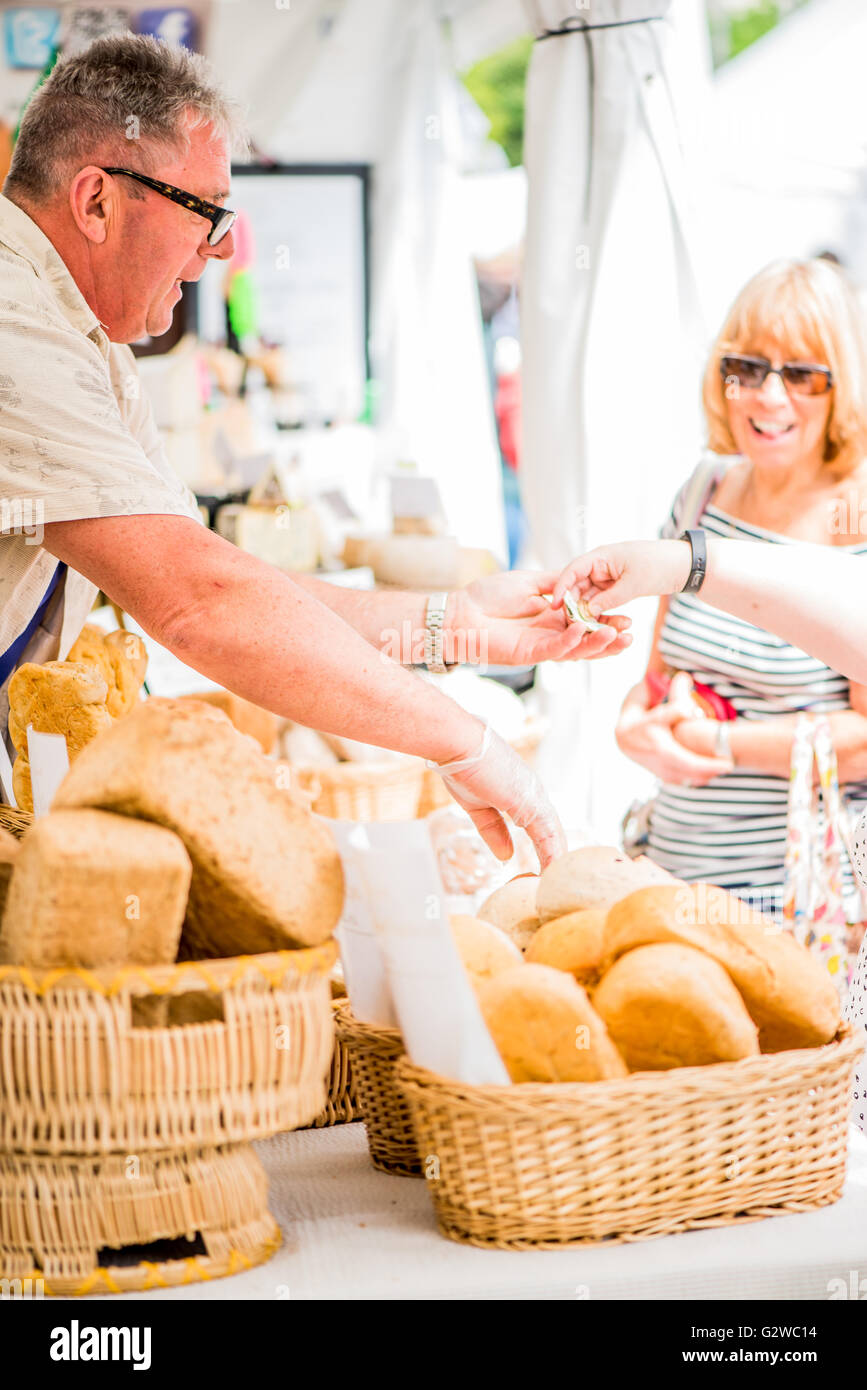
pixel 21 234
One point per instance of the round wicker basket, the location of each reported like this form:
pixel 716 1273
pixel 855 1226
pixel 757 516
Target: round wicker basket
pixel 386 1113
pixel 137 1059
pixel 342 1105
pixel 534 1166
pixel 73 1226
pixel 363 791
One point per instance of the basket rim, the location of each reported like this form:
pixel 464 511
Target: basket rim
pixel 215 974
pixel 351 773
pixel 344 1018
pixel 702 1083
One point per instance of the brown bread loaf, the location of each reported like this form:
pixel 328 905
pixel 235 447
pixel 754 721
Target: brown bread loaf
pixel 58 697
pixel 121 659
pixel 266 873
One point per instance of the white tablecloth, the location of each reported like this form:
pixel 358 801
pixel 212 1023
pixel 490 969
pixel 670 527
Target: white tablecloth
pixel 350 1232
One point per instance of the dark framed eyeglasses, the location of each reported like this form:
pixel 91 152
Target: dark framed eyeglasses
pixel 799 378
pixel 221 219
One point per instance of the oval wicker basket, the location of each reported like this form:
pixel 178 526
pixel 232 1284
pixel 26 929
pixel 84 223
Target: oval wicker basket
pixel 72 1226
pixel 535 1166
pixel 93 1062
pixel 433 791
pixel 363 791
pixel 387 1115
pixel 342 1105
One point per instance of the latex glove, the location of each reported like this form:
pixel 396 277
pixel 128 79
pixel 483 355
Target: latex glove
pixel 494 783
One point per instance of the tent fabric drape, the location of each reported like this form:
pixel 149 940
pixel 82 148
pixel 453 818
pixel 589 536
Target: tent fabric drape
pixel 612 330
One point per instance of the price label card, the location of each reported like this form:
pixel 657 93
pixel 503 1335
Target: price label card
pixel 49 764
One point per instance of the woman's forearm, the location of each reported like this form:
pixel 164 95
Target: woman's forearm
pixel 811 595
pixel 765 745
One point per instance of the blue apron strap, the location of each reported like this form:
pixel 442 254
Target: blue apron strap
pixel 11 657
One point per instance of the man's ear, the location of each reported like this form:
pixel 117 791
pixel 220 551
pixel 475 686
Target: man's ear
pixel 94 199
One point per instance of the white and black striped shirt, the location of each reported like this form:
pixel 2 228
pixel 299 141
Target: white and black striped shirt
pixel 733 830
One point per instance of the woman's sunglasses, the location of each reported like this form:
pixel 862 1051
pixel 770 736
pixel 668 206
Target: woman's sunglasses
pixel 221 219
pixel 801 378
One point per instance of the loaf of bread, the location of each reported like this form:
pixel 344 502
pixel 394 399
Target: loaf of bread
pixel 512 908
pixel 59 697
pixel 266 873
pixel 9 849
pixel 787 992
pixel 545 1027
pixel 484 950
pixel 121 659
pixel 574 943
pixel 93 889
pixel 247 718
pixel 672 1006
pixel 595 876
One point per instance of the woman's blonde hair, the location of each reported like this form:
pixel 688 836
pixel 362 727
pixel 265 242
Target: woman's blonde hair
pixel 812 311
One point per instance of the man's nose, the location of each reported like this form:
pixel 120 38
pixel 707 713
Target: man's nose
pixel 223 251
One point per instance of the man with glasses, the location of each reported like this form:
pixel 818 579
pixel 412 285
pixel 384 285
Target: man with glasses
pixel 98 234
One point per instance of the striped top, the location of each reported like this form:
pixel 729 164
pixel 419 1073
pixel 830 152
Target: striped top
pixel 733 830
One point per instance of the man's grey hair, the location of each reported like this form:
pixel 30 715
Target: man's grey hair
pixel 127 99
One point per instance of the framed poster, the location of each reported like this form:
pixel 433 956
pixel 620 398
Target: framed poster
pixel 309 262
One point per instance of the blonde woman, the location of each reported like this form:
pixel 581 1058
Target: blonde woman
pixel 785 396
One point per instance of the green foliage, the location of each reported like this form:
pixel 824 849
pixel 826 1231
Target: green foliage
pixel 752 24
pixel 496 84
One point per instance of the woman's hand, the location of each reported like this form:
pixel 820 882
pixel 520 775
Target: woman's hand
pixel 615 574
pixel 650 737
pixel 507 621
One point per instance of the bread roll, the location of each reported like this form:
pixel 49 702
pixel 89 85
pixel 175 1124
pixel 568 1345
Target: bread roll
pixel 574 943
pixel 545 1027
pixel 59 697
pixel 595 876
pixel 672 1006
pixel 788 993
pixel 93 889
pixel 512 908
pixel 484 950
pixel 305 747
pixel 259 724
pixel 9 850
pixel 121 659
pixel 266 873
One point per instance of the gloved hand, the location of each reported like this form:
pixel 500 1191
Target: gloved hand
pixel 494 783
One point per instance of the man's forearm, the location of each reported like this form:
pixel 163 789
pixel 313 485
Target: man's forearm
pixel 392 620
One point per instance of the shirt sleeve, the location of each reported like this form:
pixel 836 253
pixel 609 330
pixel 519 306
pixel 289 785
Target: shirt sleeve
pixel 68 446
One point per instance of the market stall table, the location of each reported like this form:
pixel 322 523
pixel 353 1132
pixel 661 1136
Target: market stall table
pixel 350 1232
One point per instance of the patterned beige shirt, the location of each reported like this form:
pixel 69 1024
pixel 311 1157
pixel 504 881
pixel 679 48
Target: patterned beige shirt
pixel 77 437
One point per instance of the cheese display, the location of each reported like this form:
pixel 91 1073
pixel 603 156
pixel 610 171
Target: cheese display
pixel 92 889
pixel 266 873
pixel 672 1006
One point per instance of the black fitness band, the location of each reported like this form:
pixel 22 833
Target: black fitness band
pixel 698 569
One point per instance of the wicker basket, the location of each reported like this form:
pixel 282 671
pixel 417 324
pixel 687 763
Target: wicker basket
pixel 364 791
pixel 16 822
pixel 433 791
pixel 108 1225
pixel 386 1114
pixel 82 1071
pixel 342 1105
pixel 532 1166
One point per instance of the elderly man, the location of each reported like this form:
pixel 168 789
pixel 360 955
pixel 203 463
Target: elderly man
pixel 113 200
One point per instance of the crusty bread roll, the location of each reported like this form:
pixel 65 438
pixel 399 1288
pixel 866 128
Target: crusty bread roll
pixel 484 950
pixel 9 850
pixel 93 889
pixel 574 943
pixel 545 1027
pixel 266 873
pixel 672 1006
pixel 788 993
pixel 58 697
pixel 595 876
pixel 247 718
pixel 512 908
pixel 305 747
pixel 121 659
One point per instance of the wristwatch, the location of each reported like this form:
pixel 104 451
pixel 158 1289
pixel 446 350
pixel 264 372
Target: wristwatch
pixel 698 568
pixel 435 616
